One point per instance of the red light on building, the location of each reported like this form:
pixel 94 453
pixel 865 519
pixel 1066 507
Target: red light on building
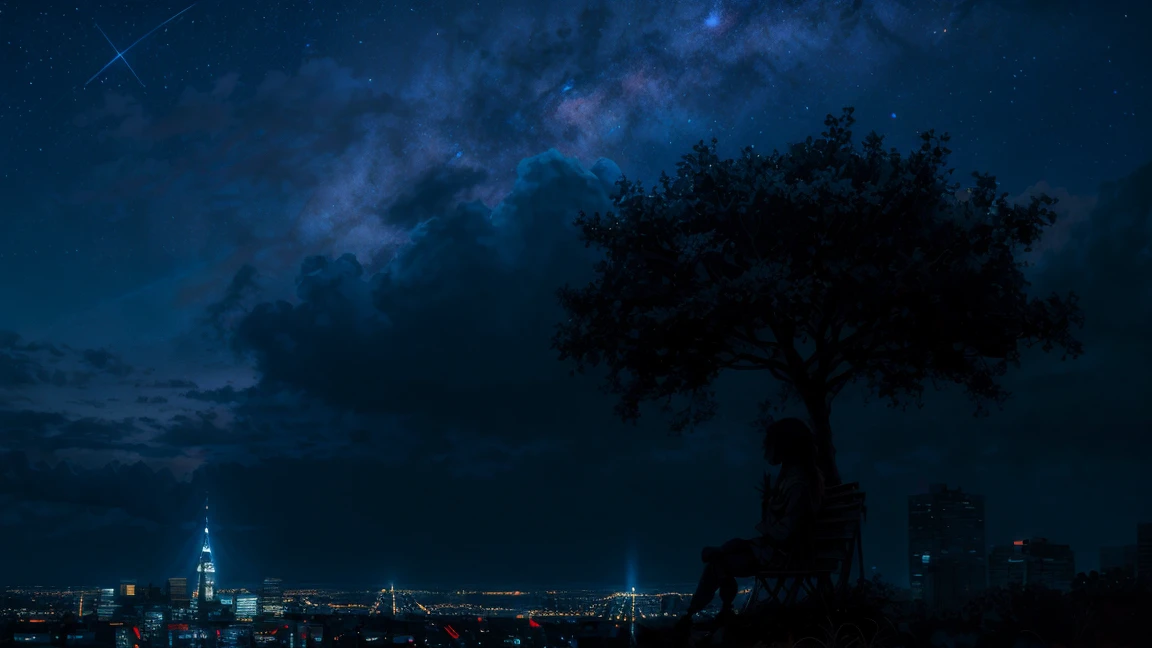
pixel 180 627
pixel 1019 543
pixel 136 631
pixel 451 632
pixel 532 623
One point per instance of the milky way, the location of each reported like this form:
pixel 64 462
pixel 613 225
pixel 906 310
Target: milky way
pixel 319 153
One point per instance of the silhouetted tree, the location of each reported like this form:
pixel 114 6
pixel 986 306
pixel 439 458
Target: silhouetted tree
pixel 823 265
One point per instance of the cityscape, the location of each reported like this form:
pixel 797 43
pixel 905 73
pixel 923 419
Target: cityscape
pixel 951 563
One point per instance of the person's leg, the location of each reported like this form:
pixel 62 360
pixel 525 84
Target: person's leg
pixel 740 562
pixel 710 581
pixel 736 559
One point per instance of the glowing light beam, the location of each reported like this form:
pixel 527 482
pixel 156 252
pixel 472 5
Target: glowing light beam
pixel 120 55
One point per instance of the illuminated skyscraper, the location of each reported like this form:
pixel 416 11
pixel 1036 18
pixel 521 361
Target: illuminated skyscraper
pixel 107 606
pixel 272 598
pixel 205 569
pixel 247 606
pixel 153 625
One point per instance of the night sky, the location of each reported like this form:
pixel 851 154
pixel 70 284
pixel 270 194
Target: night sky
pixel 399 181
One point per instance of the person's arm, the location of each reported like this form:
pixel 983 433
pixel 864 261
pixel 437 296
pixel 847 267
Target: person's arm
pixel 765 496
pixel 780 530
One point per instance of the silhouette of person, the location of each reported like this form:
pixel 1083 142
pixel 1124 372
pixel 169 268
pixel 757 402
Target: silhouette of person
pixel 789 510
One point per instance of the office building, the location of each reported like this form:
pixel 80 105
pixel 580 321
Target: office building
pixel 1050 565
pixel 178 591
pixel 1144 553
pixel 125 638
pixel 234 637
pixel 272 598
pixel 247 607
pixel 1033 563
pixel 107 605
pixel 1006 567
pixel 128 588
pixel 153 628
pixel 946 546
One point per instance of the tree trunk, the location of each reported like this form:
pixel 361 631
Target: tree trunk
pixel 819 413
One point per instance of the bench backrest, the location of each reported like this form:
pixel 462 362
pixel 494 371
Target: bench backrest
pixel 835 545
pixel 837 529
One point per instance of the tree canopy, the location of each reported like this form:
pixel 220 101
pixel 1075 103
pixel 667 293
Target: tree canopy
pixel 824 265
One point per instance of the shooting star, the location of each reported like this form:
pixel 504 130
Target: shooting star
pixel 120 55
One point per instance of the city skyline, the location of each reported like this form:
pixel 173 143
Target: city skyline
pixel 940 520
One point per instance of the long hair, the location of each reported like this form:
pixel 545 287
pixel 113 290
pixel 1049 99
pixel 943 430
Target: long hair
pixel 790 440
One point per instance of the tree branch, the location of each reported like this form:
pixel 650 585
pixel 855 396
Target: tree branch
pixel 837 382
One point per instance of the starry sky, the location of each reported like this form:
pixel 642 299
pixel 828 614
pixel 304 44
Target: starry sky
pixel 302 255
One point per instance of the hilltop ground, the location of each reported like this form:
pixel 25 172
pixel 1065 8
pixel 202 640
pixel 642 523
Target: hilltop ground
pixel 870 618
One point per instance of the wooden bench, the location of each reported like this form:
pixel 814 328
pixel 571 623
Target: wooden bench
pixel 824 568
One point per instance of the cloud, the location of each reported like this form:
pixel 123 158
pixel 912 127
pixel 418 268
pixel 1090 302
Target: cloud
pixel 451 338
pixel 24 364
pixel 1109 262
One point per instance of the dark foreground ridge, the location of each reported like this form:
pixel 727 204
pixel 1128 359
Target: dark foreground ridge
pixel 1095 614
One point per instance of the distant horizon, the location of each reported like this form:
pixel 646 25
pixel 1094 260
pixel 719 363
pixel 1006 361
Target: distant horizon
pixel 288 586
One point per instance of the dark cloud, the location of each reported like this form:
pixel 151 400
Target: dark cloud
pixel 107 362
pixel 432 194
pixel 221 315
pixel 452 337
pixel 226 394
pixel 200 430
pixel 1110 264
pixel 171 383
pixel 24 364
pixel 27 423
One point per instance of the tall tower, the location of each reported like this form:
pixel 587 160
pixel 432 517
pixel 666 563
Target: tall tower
pixel 947 552
pixel 205 569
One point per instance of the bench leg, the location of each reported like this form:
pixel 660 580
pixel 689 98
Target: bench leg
pixel 827 590
pixel 793 591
